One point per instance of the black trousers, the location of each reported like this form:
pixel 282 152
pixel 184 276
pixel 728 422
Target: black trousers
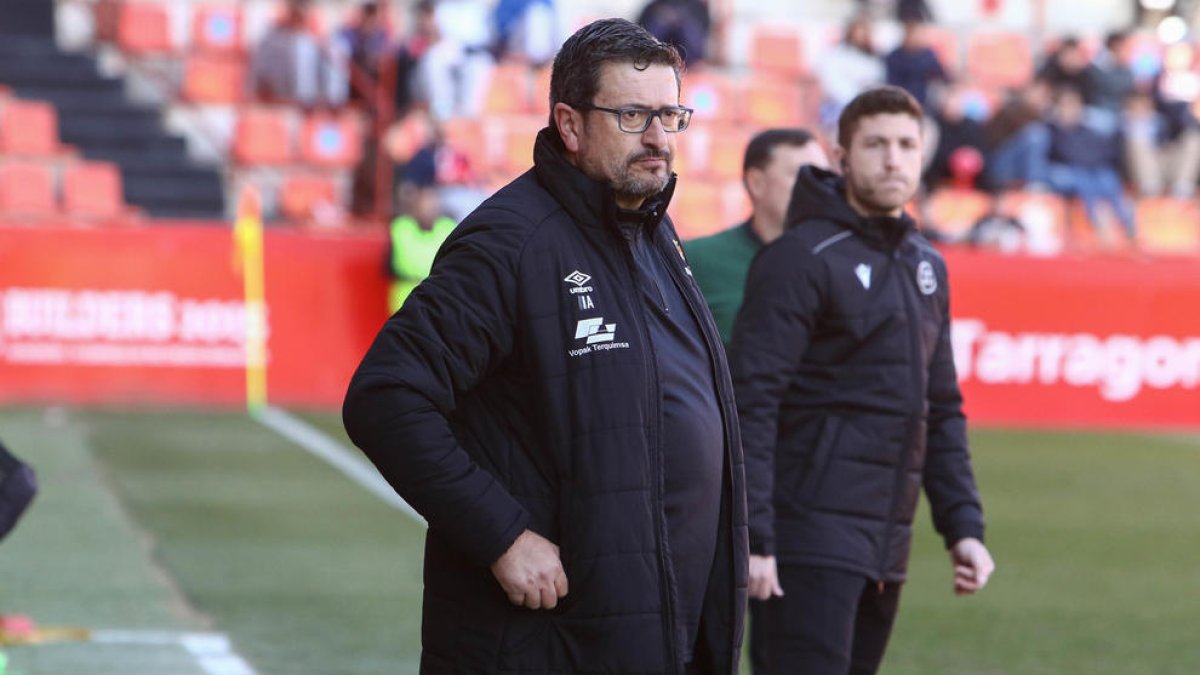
pixel 828 622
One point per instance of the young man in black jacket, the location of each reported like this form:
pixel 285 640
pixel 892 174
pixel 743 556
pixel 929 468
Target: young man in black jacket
pixel 846 391
pixel 555 400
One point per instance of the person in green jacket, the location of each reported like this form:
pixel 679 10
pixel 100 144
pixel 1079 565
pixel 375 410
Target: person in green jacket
pixel 720 261
pixel 415 236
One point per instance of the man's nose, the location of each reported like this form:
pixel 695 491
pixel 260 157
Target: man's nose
pixel 655 135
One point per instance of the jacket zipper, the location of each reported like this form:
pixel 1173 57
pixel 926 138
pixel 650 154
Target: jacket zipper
pixel 914 335
pixel 656 464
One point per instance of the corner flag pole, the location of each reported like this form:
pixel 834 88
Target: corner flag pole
pixel 248 258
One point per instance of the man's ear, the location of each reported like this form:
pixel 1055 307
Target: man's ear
pixel 754 180
pixel 570 126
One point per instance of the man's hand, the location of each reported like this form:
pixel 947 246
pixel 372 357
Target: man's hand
pixel 531 573
pixel 764 578
pixel 972 565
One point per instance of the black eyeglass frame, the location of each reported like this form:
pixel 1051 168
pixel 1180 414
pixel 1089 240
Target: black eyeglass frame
pixel 620 112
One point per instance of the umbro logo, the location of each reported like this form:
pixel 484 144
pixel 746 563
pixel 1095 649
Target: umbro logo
pixel 577 278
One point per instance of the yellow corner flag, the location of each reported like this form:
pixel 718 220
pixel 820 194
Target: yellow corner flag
pixel 248 259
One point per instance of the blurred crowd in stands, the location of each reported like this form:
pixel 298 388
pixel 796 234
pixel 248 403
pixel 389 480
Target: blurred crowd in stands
pixel 1098 121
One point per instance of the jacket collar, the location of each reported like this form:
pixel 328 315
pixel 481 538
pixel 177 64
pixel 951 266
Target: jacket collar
pixel 590 203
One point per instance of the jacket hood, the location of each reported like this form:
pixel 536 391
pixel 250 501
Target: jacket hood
pixel 589 202
pixel 821 195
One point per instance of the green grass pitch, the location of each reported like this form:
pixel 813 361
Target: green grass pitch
pixel 207 521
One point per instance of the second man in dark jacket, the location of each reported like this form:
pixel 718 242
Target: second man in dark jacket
pixel 846 389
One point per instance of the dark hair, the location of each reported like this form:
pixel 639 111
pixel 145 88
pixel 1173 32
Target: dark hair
pixel 877 101
pixel 1114 39
pixel 575 76
pixel 759 149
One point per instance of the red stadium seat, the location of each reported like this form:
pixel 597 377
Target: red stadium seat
pixel 27 188
pixel 217 28
pixel 772 102
pixel 209 78
pixel 144 28
pixel 302 193
pixel 777 49
pixel 29 128
pixel 508 90
pixel 711 95
pixel 263 136
pixel 1000 59
pixel 332 141
pixel 93 189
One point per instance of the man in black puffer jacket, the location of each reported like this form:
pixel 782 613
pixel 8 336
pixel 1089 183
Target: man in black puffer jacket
pixel 555 400
pixel 845 385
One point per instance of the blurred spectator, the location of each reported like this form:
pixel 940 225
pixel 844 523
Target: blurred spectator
pixel 456 181
pixel 903 10
pixel 290 65
pixel 1018 141
pixel 526 31
pixel 418 232
pixel 683 23
pixel 366 44
pixel 1111 76
pixel 848 69
pixel 452 74
pixel 959 155
pixel 914 66
pixel 1083 163
pixel 1068 66
pixel 1160 156
pixel 410 52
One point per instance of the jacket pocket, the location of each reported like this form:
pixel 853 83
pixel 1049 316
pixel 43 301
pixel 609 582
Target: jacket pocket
pixel 801 474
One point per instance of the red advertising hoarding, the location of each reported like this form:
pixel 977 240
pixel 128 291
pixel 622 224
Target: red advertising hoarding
pixel 156 316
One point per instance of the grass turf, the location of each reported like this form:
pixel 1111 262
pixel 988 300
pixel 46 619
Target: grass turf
pixel 1093 537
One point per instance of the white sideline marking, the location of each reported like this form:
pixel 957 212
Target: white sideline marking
pixel 322 446
pixel 212 651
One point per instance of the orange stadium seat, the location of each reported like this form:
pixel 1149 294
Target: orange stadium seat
pixel 713 151
pixel 213 78
pixel 508 90
pixel 540 96
pixel 772 101
pixel 301 193
pixel 945 43
pixel 518 134
pixel 263 136
pixel 1169 225
pixel 777 49
pixel 29 128
pixel 696 209
pixel 144 28
pixel 466 135
pixel 93 189
pixel 1000 59
pixel 329 140
pixel 954 210
pixel 217 28
pixel 711 95
pixel 27 188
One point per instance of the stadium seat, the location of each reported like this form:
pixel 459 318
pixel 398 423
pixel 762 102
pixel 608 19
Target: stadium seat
pixel 1169 225
pixel 27 188
pixel 92 189
pixel 777 49
pixel 540 95
pixel 331 140
pixel 263 136
pixel 711 95
pixel 945 43
pixel 772 102
pixel 517 136
pixel 29 128
pixel 466 136
pixel 217 28
pixel 954 210
pixel 213 78
pixel 300 194
pixel 508 90
pixel 1000 59
pixel 696 211
pixel 712 151
pixel 144 28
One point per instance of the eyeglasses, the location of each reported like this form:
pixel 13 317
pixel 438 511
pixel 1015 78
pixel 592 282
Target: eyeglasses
pixel 637 120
